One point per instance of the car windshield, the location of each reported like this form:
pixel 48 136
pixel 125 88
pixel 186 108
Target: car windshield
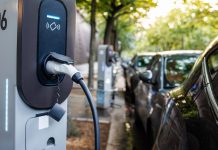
pixel 177 69
pixel 143 61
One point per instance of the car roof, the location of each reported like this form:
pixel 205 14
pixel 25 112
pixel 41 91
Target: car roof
pixel 146 54
pixel 178 52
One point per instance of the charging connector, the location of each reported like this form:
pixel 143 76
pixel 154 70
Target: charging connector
pixel 55 67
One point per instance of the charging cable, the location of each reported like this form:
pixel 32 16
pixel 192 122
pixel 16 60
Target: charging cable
pixel 56 67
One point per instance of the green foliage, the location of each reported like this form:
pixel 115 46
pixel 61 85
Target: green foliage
pixel 117 8
pixel 188 108
pixel 125 14
pixel 191 27
pixel 126 33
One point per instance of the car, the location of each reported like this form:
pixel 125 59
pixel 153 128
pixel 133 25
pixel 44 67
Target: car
pixel 167 70
pixel 200 131
pixel 137 64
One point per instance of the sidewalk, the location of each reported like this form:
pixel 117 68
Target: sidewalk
pixel 117 138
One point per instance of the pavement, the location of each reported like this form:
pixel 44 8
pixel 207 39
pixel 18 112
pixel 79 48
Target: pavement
pixel 117 139
pixel 78 109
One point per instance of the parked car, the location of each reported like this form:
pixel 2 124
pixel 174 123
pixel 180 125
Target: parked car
pixel 137 64
pixel 177 132
pixel 167 70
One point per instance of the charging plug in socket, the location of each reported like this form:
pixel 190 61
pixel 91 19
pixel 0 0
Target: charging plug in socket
pixel 55 79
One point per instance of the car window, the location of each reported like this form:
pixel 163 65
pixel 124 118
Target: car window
pixel 143 61
pixel 177 69
pixel 213 62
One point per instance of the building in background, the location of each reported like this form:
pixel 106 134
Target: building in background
pixel 82 40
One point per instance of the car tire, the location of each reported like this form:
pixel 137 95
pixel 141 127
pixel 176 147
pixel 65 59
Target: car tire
pixel 205 131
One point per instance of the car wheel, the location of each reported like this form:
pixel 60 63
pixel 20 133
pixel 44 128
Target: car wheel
pixel 205 131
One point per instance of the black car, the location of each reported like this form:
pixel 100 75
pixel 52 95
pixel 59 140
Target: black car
pixel 198 132
pixel 137 64
pixel 167 70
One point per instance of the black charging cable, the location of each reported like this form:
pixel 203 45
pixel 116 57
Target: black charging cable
pixel 57 64
pixel 77 78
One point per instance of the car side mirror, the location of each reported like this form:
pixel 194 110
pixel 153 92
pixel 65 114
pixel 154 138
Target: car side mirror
pixel 124 65
pixel 132 64
pixel 146 76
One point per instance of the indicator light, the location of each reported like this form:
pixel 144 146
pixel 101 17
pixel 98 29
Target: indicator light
pixel 53 17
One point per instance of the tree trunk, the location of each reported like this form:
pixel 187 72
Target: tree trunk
pixel 115 40
pixel 109 30
pixel 92 52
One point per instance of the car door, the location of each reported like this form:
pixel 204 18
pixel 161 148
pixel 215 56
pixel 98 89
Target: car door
pixel 129 73
pixel 172 133
pixel 146 92
pixel 176 132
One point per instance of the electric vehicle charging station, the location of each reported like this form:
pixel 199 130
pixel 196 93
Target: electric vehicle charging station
pixel 105 71
pixel 32 101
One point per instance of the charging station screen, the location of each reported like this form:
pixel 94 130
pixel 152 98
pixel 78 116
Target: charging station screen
pixel 52 30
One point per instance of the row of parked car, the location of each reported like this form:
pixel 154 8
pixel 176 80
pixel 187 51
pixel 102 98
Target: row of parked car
pixel 175 97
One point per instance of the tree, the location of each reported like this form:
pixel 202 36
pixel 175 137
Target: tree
pixel 92 44
pixel 189 27
pixel 118 8
pixel 111 11
pixel 88 9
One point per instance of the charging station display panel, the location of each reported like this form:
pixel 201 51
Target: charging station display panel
pixel 51 36
pixel 44 26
